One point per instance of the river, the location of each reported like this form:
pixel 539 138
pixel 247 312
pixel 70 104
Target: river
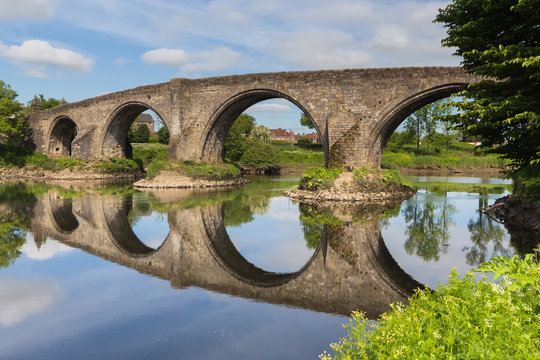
pixel 112 272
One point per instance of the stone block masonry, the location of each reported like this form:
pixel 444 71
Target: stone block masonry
pixel 354 111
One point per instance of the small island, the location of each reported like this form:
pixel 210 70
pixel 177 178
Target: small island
pixel 320 184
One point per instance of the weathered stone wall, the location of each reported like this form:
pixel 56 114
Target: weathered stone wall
pixel 354 111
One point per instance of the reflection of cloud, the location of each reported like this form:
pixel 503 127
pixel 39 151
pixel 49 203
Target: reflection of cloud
pixel 47 250
pixel 22 298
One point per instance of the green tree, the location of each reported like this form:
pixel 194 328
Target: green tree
pixel 13 127
pixel 235 142
pixel 422 123
pixel 500 41
pixel 142 134
pixel 45 103
pixel 163 135
pixel 304 140
pixel 306 121
pixel 260 132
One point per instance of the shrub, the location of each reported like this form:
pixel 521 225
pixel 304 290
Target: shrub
pixel 464 319
pixel 209 171
pixel 163 135
pixel 155 168
pixel 260 155
pixel 117 165
pixel 149 152
pixel 316 178
pixel 68 163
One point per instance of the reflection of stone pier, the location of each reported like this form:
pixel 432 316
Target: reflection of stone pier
pixel 352 268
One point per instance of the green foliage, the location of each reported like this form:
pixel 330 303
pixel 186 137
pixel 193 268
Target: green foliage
pixel 303 140
pixel 317 178
pixel 12 237
pixel 13 127
pixel 260 155
pixel 209 171
pixel 142 134
pixel 68 163
pixel 147 153
pixel 235 142
pixel 405 160
pixel 260 132
pixel 498 40
pixel 155 167
pixel 117 166
pixel 306 121
pixel 163 135
pixel 313 156
pixel 464 319
pixel 45 103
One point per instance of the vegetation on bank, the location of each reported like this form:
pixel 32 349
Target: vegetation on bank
pixel 194 170
pixel 464 319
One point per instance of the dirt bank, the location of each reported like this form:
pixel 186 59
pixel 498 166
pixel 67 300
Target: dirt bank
pixel 171 179
pixel 66 174
pixel 517 215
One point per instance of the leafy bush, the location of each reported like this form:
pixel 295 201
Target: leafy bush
pixel 149 152
pixel 464 319
pixel 260 155
pixel 316 178
pixel 209 171
pixel 163 135
pixel 68 163
pixel 155 167
pixel 117 165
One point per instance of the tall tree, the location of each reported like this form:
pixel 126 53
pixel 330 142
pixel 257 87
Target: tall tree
pixel 235 142
pixel 306 121
pixel 500 41
pixel 45 103
pixel 13 126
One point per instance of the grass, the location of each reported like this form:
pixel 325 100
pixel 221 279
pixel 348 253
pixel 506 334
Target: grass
pixel 393 160
pixel 317 178
pixel 464 319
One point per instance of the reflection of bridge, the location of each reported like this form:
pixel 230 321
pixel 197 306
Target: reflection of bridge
pixel 352 268
pixel 354 111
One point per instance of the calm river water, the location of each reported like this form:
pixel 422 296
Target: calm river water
pixel 111 272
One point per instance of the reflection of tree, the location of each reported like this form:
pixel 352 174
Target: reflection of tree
pixel 18 201
pixel 313 220
pixel 427 228
pixel 12 237
pixel 483 231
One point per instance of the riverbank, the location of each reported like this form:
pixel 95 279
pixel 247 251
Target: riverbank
pixel 75 174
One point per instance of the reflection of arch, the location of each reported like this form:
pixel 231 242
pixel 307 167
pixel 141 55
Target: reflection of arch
pixel 114 141
pixel 225 253
pixel 396 115
pixel 222 120
pixel 122 234
pixel 62 213
pixel 61 136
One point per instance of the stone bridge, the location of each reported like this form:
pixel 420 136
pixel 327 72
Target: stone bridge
pixel 352 268
pixel 354 111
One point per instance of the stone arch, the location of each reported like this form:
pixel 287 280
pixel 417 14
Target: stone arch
pixel 122 235
pixel 394 116
pixel 114 141
pixel 213 136
pixel 62 213
pixel 226 254
pixel 62 132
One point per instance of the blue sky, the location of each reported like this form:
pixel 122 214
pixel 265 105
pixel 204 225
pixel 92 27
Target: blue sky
pixel 79 49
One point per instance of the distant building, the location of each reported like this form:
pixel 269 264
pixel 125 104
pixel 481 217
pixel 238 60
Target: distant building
pixel 282 135
pixel 291 137
pixel 147 120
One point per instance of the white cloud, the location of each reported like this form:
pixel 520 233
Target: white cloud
pixel 320 50
pixel 219 59
pixel 120 61
pixel 46 251
pixel 391 37
pixel 20 298
pixel 273 108
pixel 34 56
pixel 10 9
pixel 169 57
